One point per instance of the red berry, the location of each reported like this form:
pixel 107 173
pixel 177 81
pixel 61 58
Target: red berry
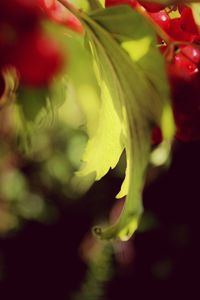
pixel 187 21
pixel 181 8
pixel 38 59
pixel 184 80
pixel 132 3
pixel 162 19
pixel 152 7
pixel 185 63
pixel 177 33
pixel 182 68
pixel 191 53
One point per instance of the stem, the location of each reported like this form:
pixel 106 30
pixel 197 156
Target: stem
pixel 70 7
pixel 142 11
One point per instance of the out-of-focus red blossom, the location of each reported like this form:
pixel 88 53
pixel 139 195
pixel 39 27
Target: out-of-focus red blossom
pixel 56 12
pixel 22 14
pixel 23 44
pixel 38 58
pixel 17 16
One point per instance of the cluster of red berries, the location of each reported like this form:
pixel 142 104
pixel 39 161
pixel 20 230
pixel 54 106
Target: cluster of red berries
pixel 182 54
pixel 24 45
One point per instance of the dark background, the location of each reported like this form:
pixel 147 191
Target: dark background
pixel 42 261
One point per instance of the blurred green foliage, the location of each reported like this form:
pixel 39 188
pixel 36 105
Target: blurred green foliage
pixel 43 135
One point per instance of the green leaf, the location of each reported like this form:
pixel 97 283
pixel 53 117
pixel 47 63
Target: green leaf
pixel 196 12
pixel 131 72
pixel 94 4
pixel 167 123
pixel 31 101
pixel 105 146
